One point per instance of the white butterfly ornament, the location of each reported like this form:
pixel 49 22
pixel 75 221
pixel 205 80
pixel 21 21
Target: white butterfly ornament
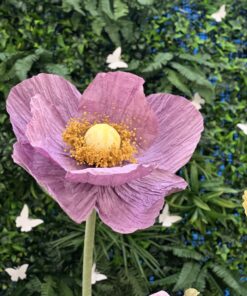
pixel 243 127
pixel 197 101
pixel 24 222
pixel 96 276
pixel 220 14
pixel 114 60
pixel 166 219
pixel 17 272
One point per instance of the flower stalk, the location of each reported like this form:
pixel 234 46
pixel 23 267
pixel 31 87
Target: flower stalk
pixel 88 254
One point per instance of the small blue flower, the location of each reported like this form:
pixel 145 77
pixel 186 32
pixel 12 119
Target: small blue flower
pixel 202 36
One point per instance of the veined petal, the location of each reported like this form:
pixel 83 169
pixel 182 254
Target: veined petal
pixel 120 96
pixel 58 91
pixel 44 131
pixel 180 128
pixel 136 205
pixel 114 176
pixel 77 200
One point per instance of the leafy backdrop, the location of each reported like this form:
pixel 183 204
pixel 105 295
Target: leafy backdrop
pixel 177 48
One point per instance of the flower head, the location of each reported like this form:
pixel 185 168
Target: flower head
pixel 245 202
pixel 191 292
pixel 109 148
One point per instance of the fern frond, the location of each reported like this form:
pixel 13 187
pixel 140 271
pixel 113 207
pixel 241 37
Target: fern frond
pixel 160 59
pixel 48 287
pixel 189 73
pixel 23 66
pixel 105 6
pixel 176 80
pixel 200 283
pixel 72 5
pixel 183 252
pixel 120 9
pixel 200 59
pixel 187 276
pixel 57 69
pixel 227 278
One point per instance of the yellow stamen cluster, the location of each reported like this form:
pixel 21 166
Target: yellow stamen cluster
pixel 100 144
pixel 245 202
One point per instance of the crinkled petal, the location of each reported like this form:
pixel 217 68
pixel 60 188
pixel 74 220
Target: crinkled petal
pixel 120 96
pixel 58 91
pixel 135 205
pixel 114 176
pixel 180 128
pixel 44 132
pixel 77 200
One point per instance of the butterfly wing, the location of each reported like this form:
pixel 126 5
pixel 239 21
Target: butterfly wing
pixel 171 220
pixel 222 11
pixel 13 274
pixel 100 277
pixel 220 14
pixel 197 101
pixel 243 127
pixel 115 56
pixel 22 271
pixel 35 222
pixel 29 224
pixel 23 216
pixel 118 64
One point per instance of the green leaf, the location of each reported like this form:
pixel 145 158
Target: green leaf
pixel 64 289
pixel 224 203
pixel 160 59
pixel 146 2
pixel 57 69
pixel 120 9
pixel 200 59
pixel 194 182
pixel 228 278
pixel 199 203
pixel 68 5
pixel 187 276
pixel 23 66
pixel 190 74
pixel 177 81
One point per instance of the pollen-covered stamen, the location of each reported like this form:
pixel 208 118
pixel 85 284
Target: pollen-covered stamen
pixel 100 144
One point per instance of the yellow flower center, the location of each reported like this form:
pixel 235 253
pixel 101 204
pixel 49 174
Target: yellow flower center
pixel 100 144
pixel 102 136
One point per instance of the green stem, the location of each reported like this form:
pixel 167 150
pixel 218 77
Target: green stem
pixel 88 255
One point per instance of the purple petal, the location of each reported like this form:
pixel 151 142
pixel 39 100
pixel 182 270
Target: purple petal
pixel 180 127
pixel 120 96
pixel 77 200
pixel 135 205
pixel 55 89
pixel 44 131
pixel 114 176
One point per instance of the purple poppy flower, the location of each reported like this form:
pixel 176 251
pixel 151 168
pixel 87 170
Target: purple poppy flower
pixel 127 196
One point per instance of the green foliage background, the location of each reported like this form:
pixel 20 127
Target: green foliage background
pixel 164 43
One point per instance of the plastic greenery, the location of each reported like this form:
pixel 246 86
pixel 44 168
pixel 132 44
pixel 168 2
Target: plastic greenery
pixel 73 38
